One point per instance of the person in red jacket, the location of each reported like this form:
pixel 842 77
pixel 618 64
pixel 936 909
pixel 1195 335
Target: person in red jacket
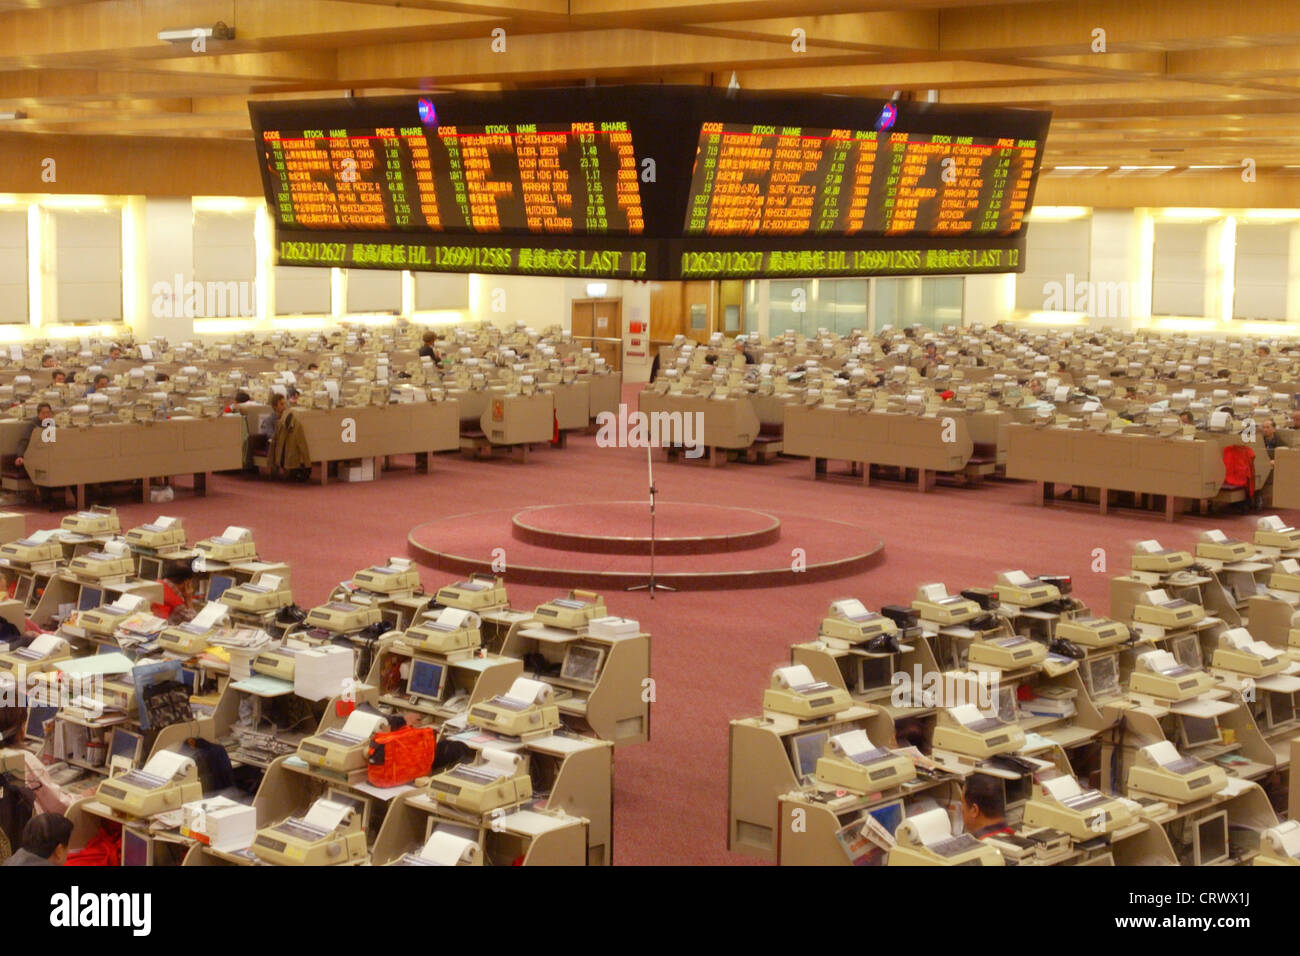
pixel 178 594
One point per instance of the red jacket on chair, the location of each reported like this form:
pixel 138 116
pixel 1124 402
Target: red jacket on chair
pixel 1239 468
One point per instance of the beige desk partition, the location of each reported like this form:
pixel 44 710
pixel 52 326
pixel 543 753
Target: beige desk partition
pixel 519 419
pixel 1286 478
pixel 117 452
pixel 1144 464
pixel 729 423
pixel 878 438
pixel 606 392
pixel 379 430
pixel 572 403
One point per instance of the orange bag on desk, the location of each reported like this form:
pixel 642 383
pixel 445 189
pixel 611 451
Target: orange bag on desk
pixel 400 756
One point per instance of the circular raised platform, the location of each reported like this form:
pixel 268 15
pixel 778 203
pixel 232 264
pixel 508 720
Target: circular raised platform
pixel 776 549
pixel 623 527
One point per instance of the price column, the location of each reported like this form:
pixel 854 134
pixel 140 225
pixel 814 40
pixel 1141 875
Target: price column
pixel 597 215
pixel 388 156
pixel 1022 171
pixel 997 173
pixel 832 191
pixel 273 156
pixel 707 163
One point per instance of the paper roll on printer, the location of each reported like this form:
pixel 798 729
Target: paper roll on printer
pixel 1280 845
pixel 926 840
pixel 525 710
pixel 167 782
pixel 853 762
pixel 1161 771
pixel 443 849
pixel 496 778
pixel 343 750
pixel 796 692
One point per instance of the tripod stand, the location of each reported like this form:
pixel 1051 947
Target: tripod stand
pixel 652 586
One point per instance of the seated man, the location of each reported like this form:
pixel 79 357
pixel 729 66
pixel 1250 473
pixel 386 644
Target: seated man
pixel 983 806
pixel 45 842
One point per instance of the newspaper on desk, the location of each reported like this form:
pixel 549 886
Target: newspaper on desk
pixel 242 637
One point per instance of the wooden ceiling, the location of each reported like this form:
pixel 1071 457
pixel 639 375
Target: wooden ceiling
pixel 1181 83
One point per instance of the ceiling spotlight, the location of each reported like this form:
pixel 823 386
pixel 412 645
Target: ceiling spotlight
pixel 13 115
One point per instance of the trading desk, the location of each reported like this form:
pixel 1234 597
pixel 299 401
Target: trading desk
pixel 730 424
pixel 417 428
pixel 869 438
pixel 121 452
pixel 1109 461
pixel 1286 478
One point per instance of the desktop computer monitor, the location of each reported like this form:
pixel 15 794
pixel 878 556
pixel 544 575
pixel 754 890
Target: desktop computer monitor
pixel 1187 650
pixel 36 719
pixel 1281 709
pixel 150 569
pixel 137 849
pixel 1198 731
pixel 805 749
pixel 1101 674
pixel 90 598
pixel 217 585
pixel 1018 791
pixel 1210 839
pixel 888 815
pixel 1007 703
pixel 125 743
pixel 23 592
pixel 874 673
pixel 428 680
pixel 354 800
pixel 582 663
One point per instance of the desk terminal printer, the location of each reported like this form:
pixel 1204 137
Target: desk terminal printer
pixel 525 710
pixel 479 593
pixel 852 762
pixel 1158 674
pixel 496 778
pixel 937 606
pixel 849 623
pixel 797 693
pixel 448 631
pixel 1161 771
pixel 344 750
pixel 161 535
pixel 330 834
pixel 571 613
pixel 966 732
pixel 233 545
pixel 1149 556
pixel 926 840
pixel 167 782
pixel 1061 804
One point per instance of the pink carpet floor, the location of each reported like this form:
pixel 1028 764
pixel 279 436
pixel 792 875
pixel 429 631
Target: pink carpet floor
pixel 712 652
